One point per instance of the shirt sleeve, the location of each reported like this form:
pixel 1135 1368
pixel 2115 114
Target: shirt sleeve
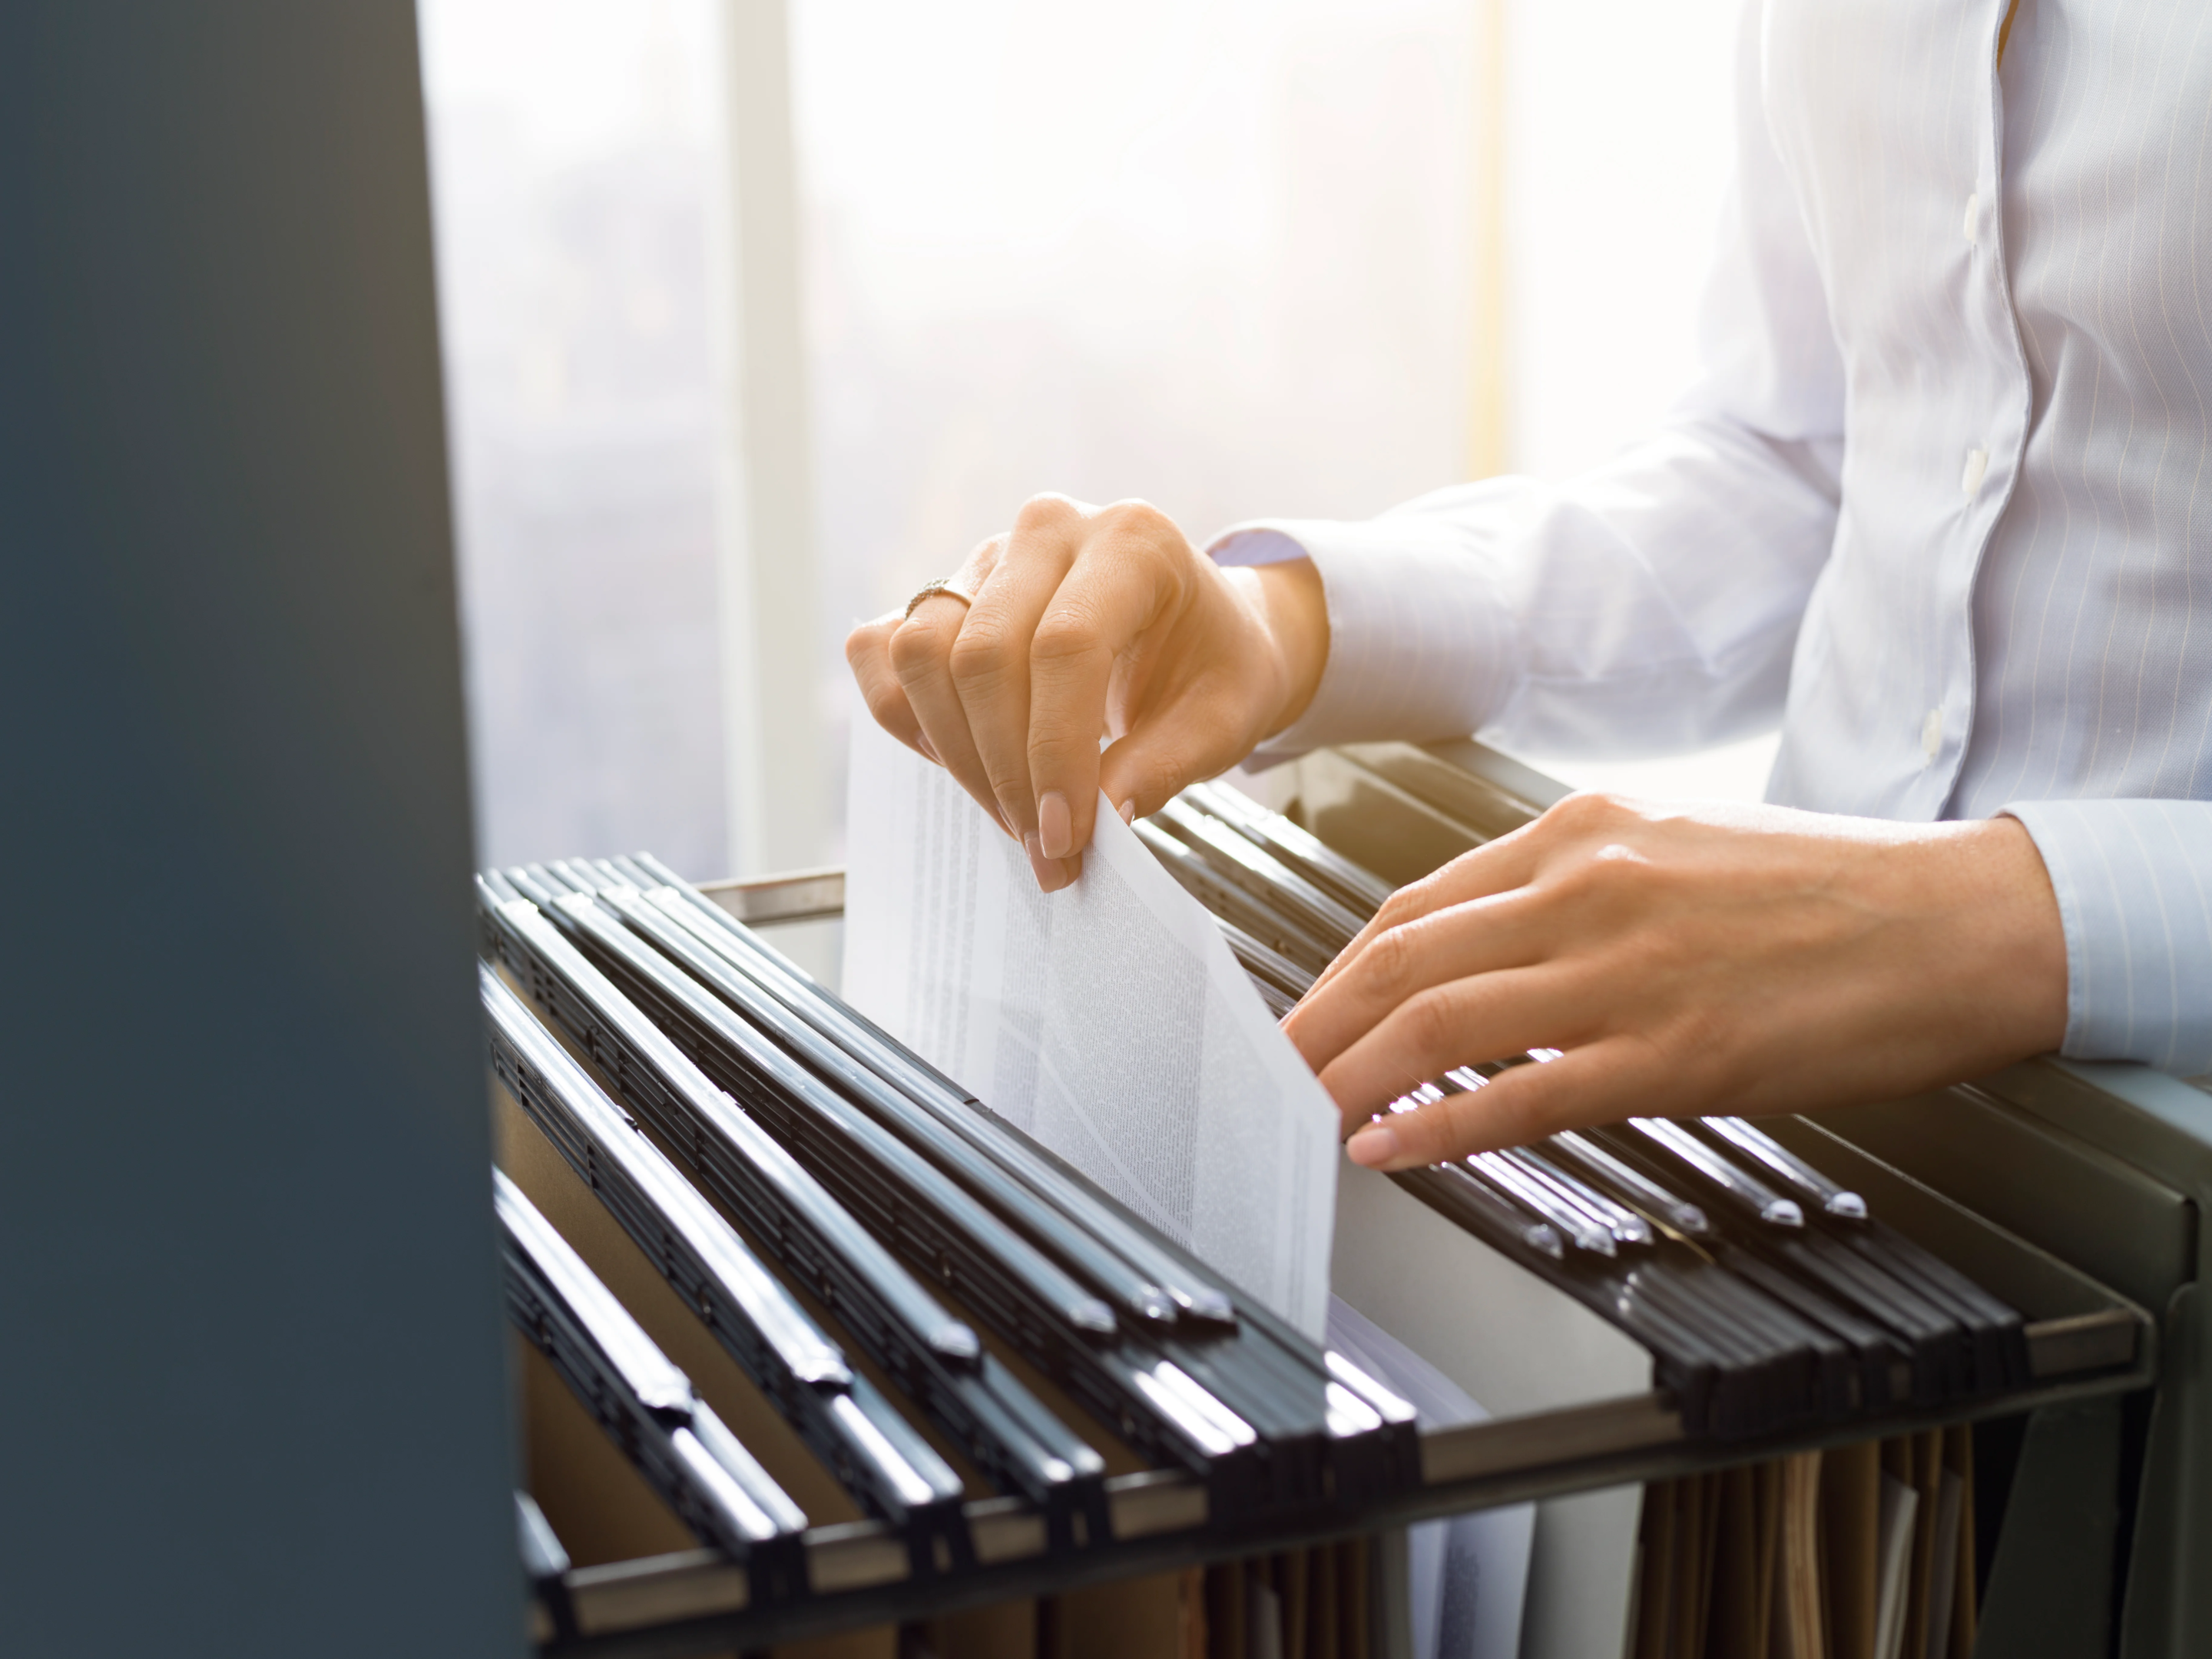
pixel 2133 882
pixel 1650 604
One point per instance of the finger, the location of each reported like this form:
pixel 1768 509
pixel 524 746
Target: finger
pixel 922 646
pixel 1601 1082
pixel 868 654
pixel 1133 570
pixel 1167 751
pixel 943 724
pixel 1494 867
pixel 990 660
pixel 1373 980
pixel 1485 1017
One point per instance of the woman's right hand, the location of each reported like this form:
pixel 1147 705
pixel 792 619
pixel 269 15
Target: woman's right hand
pixel 1092 621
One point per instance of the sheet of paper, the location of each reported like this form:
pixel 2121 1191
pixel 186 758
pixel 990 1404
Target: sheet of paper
pixel 1108 1020
pixel 1468 1574
pixel 1519 1345
pixel 1943 1577
pixel 1900 1507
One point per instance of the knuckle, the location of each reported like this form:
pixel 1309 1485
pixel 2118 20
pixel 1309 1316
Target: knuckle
pixel 1516 1116
pixel 862 644
pixel 1045 513
pixel 1423 1133
pixel 1388 965
pixel 1599 815
pixel 980 656
pixel 1056 755
pixel 884 705
pixel 1174 765
pixel 1472 1123
pixel 915 647
pixel 1600 869
pixel 1454 869
pixel 1431 1024
pixel 1585 811
pixel 1148 792
pixel 1064 635
pixel 1009 789
pixel 1402 906
pixel 1609 876
pixel 1140 521
pixel 1145 542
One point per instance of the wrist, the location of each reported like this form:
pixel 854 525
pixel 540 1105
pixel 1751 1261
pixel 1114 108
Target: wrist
pixel 2034 942
pixel 1291 608
pixel 1989 889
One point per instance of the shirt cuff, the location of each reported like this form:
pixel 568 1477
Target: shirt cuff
pixel 1421 644
pixel 2134 881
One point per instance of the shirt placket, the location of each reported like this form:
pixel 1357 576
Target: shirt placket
pixel 1995 406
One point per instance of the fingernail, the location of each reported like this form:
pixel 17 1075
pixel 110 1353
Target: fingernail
pixel 1047 870
pixel 1129 810
pixel 1056 831
pixel 1373 1146
pixel 922 742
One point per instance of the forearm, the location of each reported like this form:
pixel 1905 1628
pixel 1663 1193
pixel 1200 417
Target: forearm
pixel 1285 601
pixel 1650 603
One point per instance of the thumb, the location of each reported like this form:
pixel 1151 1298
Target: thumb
pixel 1164 754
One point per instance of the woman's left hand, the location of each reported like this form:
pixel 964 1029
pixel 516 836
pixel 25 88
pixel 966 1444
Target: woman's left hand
pixel 1688 959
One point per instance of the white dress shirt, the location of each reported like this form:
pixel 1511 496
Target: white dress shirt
pixel 1942 498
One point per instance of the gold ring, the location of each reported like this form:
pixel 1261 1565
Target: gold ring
pixel 945 586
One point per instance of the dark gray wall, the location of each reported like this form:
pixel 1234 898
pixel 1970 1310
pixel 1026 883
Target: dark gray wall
pixel 252 1388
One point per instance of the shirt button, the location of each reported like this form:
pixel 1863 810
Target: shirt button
pixel 1973 216
pixel 1931 733
pixel 1978 466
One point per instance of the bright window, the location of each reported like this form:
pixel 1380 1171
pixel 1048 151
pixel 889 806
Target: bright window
pixel 1222 256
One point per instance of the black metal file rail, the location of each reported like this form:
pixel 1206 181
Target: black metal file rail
pixel 860 1436
pixel 1006 1226
pixel 1360 891
pixel 1223 892
pixel 1020 1446
pixel 1315 1415
pixel 910 1204
pixel 646 1404
pixel 1272 1430
pixel 1009 1161
pixel 789 1076
pixel 1221 1400
pixel 1245 863
pixel 1777 1302
pixel 545 1563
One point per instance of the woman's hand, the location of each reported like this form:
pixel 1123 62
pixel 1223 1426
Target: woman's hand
pixel 1688 959
pixel 1089 622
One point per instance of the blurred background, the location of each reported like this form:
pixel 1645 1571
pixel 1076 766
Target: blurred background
pixel 758 316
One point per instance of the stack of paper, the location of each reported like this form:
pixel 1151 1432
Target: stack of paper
pixel 1107 1020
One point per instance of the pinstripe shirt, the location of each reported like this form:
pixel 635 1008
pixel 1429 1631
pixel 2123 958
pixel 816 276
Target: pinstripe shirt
pixel 1941 499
